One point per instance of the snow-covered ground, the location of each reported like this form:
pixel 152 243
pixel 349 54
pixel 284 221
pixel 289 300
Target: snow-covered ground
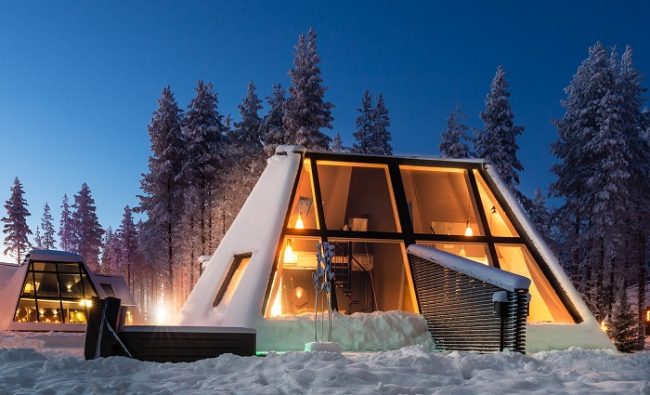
pixel 53 363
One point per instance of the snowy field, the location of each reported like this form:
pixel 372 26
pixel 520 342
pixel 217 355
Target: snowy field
pixel 54 364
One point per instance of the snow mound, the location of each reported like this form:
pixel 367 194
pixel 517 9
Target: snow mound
pixel 409 370
pixel 378 331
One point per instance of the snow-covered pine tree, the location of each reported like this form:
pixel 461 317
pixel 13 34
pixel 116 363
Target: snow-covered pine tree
pixel 163 184
pixel 580 120
pixel 497 141
pixel 66 228
pixel 15 227
pixel 274 132
pixel 202 169
pixel 306 112
pixel 635 126
pixel 363 137
pixel 86 228
pixel 47 240
pixel 622 328
pixel 539 214
pixel 246 137
pixel 454 138
pixel 38 239
pixel 128 246
pixel 337 144
pixel 110 253
pixel 380 134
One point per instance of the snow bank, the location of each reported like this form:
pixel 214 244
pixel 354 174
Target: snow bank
pixel 408 370
pixel 378 331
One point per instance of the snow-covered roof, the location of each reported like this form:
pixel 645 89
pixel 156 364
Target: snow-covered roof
pixel 114 286
pixel 51 255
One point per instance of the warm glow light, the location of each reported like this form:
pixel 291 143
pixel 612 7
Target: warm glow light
pixel 603 326
pixel 468 230
pixel 162 314
pixel 289 255
pixel 85 303
pixel 299 223
pixel 462 251
pixel 276 309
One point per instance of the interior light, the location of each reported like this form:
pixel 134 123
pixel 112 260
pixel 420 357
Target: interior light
pixel 299 223
pixel 276 309
pixel 289 255
pixel 85 303
pixel 468 230
pixel 462 251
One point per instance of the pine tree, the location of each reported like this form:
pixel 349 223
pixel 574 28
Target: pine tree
pixel 622 326
pixel 15 227
pixel 47 240
pixel 87 230
pixel 635 129
pixel 38 239
pixel 497 141
pixel 247 137
pixel 306 111
pixel 365 126
pixel 163 184
pixel 66 228
pixel 128 245
pixel 539 214
pixel 274 132
pixel 110 254
pixel 337 144
pixel 453 144
pixel 203 131
pixel 381 135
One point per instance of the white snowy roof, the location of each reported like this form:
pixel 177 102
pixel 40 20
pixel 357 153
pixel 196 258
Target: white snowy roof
pixel 106 283
pixel 51 255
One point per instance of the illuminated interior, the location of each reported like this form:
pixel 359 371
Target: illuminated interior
pixel 439 201
pixel 357 197
pixel 365 205
pixel 545 305
pixel 237 270
pixel 497 219
pixel 303 212
pixel 55 293
pixel 475 251
pixel 369 276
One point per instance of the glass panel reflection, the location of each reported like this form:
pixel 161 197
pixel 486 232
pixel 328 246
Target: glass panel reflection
pixel 439 201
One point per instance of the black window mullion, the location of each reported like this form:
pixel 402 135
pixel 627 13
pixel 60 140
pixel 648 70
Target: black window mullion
pixel 319 200
pixel 403 211
pixel 58 279
pixel 38 315
pixel 483 218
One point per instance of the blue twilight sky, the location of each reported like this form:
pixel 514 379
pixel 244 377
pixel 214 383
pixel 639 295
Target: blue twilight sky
pixel 79 80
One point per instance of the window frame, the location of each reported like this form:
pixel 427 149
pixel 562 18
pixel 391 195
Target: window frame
pixel 31 272
pixel 407 234
pixel 234 265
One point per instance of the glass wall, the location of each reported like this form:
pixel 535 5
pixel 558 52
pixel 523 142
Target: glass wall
pixel 55 293
pixel 303 209
pixel 497 219
pixel 439 201
pixel 475 251
pixel 357 197
pixel 369 276
pixel 545 305
pixel 373 273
